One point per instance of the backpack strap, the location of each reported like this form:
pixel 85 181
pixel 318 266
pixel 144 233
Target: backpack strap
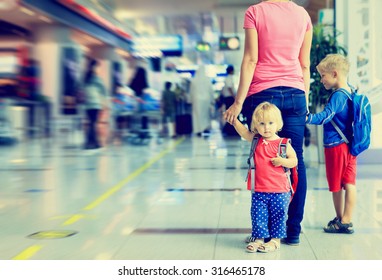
pixel 251 162
pixel 334 123
pixel 282 152
pixel 348 94
pixel 282 149
pixel 339 131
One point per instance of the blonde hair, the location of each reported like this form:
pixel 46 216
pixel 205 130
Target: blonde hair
pixel 334 62
pixel 266 110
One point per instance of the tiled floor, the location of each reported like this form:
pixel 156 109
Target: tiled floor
pixel 181 199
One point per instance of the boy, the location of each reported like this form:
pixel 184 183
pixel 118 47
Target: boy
pixel 340 164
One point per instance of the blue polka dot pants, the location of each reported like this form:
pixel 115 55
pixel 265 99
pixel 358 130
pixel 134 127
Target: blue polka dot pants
pixel 269 214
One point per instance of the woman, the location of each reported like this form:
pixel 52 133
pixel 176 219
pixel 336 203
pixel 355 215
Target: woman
pixel 95 101
pixel 275 68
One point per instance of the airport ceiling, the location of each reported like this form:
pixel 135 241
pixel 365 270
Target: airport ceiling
pixel 167 16
pixel 135 8
pixel 170 15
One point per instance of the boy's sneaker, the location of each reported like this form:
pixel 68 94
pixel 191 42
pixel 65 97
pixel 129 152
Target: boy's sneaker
pixel 291 241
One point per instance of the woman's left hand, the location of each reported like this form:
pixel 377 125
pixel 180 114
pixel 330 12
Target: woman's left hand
pixel 230 115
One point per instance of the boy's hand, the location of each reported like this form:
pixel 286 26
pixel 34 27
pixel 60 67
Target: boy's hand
pixel 277 161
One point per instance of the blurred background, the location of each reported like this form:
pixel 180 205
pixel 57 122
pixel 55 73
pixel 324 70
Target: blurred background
pixel 40 40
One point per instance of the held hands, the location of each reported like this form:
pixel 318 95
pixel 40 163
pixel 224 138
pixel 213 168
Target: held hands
pixel 307 116
pixel 230 115
pixel 277 161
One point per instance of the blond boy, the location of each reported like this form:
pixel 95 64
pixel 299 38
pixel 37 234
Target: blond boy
pixel 340 163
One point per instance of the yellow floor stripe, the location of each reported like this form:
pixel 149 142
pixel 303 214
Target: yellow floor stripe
pixel 68 217
pixel 118 186
pixel 28 253
pixel 73 219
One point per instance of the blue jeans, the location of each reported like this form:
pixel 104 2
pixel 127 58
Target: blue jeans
pixel 292 104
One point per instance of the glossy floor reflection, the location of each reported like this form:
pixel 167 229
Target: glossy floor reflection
pixel 181 199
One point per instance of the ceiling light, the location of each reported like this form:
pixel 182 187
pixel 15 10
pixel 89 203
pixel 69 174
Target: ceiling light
pixel 27 11
pixel 43 18
pixel 122 53
pixel 8 4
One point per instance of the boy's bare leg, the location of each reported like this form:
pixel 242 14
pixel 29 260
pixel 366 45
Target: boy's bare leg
pixel 350 200
pixel 338 202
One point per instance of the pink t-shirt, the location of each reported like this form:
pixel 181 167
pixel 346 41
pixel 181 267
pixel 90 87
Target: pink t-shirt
pixel 281 27
pixel 267 177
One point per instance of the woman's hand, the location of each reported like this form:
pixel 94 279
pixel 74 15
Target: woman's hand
pixel 230 115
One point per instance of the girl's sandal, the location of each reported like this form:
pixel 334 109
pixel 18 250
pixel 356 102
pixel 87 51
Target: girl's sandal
pixel 252 247
pixel 250 239
pixel 268 247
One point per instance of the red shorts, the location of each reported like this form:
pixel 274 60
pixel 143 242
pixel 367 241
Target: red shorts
pixel 341 167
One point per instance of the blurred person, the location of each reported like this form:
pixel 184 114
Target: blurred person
pixel 30 80
pixel 183 119
pixel 123 101
pixel 138 84
pixel 228 91
pixel 71 83
pixel 171 75
pixel 275 68
pixel 95 102
pixel 168 106
pixel 30 87
pixel 202 100
pixel 35 79
pixel 228 98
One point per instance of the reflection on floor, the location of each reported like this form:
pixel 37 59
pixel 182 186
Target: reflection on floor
pixel 181 199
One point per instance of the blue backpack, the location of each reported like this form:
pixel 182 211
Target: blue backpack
pixel 361 123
